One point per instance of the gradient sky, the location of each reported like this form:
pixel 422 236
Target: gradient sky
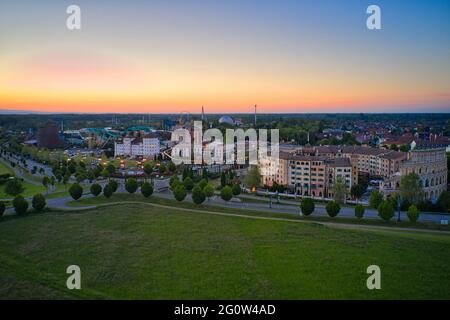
pixel 172 56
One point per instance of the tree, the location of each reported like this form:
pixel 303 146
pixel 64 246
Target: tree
pixel 172 167
pixel 226 193
pixel 111 168
pixel 38 202
pixel 173 181
pixel 359 211
pixel 339 190
pixel 385 210
pixel 45 182
pixel 14 187
pixel 223 179
pixel 66 177
pixel 180 192
pixel 411 188
pixel 148 168
pixel 162 168
pixel 81 176
pixel 404 148
pixel 108 190
pixel 2 208
pixel 96 189
pixel 131 185
pixel 253 177
pixel 307 206
pixel 393 147
pixel 72 167
pixel 444 201
pixel 333 208
pixel 114 185
pixel 202 184
pixel 208 190
pixel 198 196
pixel 20 205
pixel 146 189
pixel 236 189
pixel 375 199
pixel 188 183
pixel 357 191
pixel 106 174
pixel 413 213
pixel 91 175
pixel 76 191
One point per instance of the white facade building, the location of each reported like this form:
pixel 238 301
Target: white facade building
pixel 133 147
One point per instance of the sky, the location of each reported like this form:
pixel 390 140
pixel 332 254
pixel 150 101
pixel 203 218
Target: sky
pixel 174 56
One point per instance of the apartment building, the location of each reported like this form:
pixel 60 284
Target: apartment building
pixel 137 147
pixel 306 174
pixel 373 161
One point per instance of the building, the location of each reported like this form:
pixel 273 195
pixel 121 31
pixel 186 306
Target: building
pixel 137 147
pixel 48 136
pixel 372 161
pixel 306 174
pixel 429 161
pixel 338 168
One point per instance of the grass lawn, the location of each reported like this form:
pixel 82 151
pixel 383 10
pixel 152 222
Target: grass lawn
pixel 139 251
pixel 4 169
pixel 30 190
pixel 137 197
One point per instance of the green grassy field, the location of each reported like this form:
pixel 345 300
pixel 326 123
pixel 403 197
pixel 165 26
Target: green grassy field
pixel 4 169
pixel 137 197
pixel 140 251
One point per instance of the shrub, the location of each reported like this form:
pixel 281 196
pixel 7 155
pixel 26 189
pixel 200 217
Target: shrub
pixel 146 189
pixel 375 199
pixel 188 183
pixel 236 189
pixel 172 167
pixel 208 190
pixel 38 202
pixel 307 206
pixel 413 213
pixel 173 181
pixel 180 192
pixel 108 190
pixel 148 168
pixel 359 211
pixel 14 187
pixel 131 185
pixel 333 208
pixel 226 193
pixel 114 185
pixel 202 184
pixel 76 191
pixel 198 196
pixel 2 208
pixel 20 205
pixel 96 189
pixel 386 211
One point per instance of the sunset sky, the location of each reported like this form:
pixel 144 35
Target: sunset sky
pixel 164 56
